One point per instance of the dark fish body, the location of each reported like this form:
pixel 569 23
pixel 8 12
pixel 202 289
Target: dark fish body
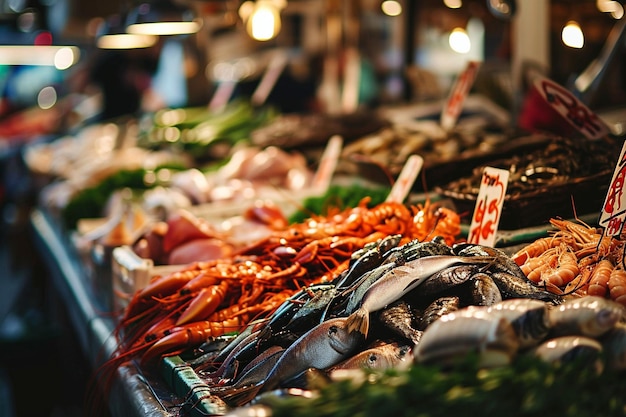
pixel 484 291
pixel 311 311
pixel 415 249
pixel 512 286
pixel 438 308
pixel 447 278
pixel 400 318
pixel 258 369
pixel 400 281
pixel 369 260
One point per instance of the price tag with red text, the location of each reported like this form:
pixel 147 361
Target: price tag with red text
pixel 488 208
pixel 457 96
pixel 613 211
pixel 573 110
pixel 404 183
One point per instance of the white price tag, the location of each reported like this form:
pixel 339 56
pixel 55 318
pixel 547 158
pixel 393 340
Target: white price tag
pixel 406 179
pixel 275 67
pixel 459 92
pixel 488 208
pixel 614 209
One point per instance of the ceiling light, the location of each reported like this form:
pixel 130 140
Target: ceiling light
pixel 162 17
pixel 112 35
pixel 61 57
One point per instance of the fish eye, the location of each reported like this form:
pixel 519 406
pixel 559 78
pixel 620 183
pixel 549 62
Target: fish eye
pixel 332 330
pixel 373 358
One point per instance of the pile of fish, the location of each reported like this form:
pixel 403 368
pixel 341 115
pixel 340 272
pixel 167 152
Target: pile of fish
pixel 402 305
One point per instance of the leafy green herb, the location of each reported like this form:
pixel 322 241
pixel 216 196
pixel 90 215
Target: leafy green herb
pixel 526 388
pixel 89 203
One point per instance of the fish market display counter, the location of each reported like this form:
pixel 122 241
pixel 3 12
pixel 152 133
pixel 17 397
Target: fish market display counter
pixel 132 393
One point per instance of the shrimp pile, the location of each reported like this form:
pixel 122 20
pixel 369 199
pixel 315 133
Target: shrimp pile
pixel 577 259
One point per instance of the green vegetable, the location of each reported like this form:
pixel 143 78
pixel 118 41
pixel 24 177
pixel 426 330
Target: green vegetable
pixel 203 133
pixel 528 387
pixel 89 203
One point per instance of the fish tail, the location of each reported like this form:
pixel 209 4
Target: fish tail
pixel 359 321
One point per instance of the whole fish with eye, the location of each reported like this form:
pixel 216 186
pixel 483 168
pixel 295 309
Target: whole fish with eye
pixel 506 274
pixel 321 347
pixel 400 281
pixel 381 357
pixel 590 316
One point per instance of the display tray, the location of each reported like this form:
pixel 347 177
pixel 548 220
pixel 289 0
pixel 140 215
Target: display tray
pixel 583 196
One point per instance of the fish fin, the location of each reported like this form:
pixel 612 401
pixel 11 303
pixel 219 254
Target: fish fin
pixel 359 321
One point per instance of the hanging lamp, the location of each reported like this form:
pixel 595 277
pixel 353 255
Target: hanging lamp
pixel 162 17
pixel 112 34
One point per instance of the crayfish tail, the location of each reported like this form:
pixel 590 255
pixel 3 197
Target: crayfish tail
pixel 358 321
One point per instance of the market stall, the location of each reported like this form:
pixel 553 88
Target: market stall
pixel 315 231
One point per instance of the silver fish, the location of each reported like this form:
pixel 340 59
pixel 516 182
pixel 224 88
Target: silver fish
pixel 565 349
pixel 528 317
pixel 458 334
pixel 401 280
pixel 586 316
pixel 386 356
pixel 323 346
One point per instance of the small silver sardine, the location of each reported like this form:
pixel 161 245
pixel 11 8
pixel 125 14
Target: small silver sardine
pixel 528 317
pixel 463 332
pixel 566 349
pixel 586 316
pixel 401 280
pixel 325 345
pixel 387 356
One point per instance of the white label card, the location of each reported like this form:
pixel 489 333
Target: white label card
pixel 614 209
pixel 459 92
pixel 406 179
pixel 488 208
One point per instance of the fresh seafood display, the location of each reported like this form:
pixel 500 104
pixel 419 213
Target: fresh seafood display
pixel 576 259
pixel 207 299
pixel 468 361
pixel 343 323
